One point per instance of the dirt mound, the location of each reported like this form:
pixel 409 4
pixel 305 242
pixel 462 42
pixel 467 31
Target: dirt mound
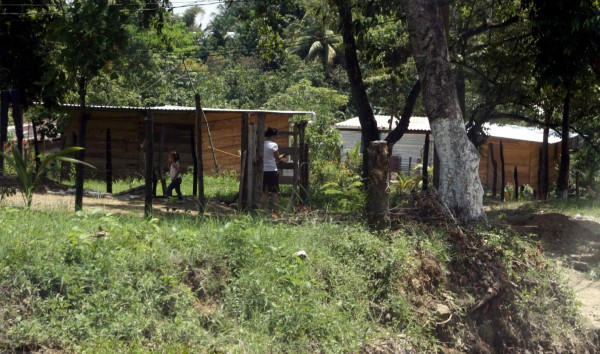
pixel 483 294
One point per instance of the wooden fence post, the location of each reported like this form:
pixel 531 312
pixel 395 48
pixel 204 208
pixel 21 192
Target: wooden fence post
pixel 495 170
pixel 503 172
pixel 303 163
pixel 194 162
pixel 250 165
pixel 377 204
pixel 296 165
pixel 4 102
pixel 149 168
pixel 425 162
pixel 109 168
pixel 36 147
pixel 258 160
pixel 436 167
pixel 516 179
pixel 577 177
pixel 243 175
pixel 201 200
pixel 159 160
pixel 17 118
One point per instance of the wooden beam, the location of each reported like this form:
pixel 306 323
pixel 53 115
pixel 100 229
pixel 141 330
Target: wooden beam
pixel 149 141
pixel 244 149
pixel 4 102
pixel 425 162
pixel 516 179
pixel 250 165
pixel 495 169
pixel 15 99
pixel 194 162
pixel 200 171
pixel 159 161
pixel 303 162
pixel 503 184
pixel 109 168
pixel 258 160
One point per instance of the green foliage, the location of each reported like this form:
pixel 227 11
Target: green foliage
pixel 336 187
pixel 29 173
pixel 94 282
pixel 328 105
pixel 587 162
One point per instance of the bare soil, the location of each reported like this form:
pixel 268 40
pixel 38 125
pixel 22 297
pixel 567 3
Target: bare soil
pixel 125 204
pixel 574 242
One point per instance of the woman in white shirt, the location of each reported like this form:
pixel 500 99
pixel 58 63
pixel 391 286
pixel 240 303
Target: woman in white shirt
pixel 175 172
pixel 270 174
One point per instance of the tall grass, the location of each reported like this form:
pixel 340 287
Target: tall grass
pixel 102 282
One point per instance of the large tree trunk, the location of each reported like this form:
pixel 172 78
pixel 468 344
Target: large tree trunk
pixel 460 187
pixel 368 124
pixel 562 184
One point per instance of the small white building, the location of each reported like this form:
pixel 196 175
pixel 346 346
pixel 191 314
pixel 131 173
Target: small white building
pixel 406 153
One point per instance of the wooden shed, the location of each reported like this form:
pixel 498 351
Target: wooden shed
pixel 123 127
pixel 406 153
pixel 522 149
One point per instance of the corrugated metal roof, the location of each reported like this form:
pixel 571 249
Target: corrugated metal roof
pixel 190 109
pixel 421 124
pixel 417 124
pixel 518 132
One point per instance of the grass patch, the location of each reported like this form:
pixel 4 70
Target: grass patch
pixel 95 281
pixel 223 186
pixel 100 282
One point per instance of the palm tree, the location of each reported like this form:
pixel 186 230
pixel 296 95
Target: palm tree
pixel 312 39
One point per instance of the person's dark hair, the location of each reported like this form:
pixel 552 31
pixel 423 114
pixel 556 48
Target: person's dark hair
pixel 175 155
pixel 271 132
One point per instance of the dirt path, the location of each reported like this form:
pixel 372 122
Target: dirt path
pixel 575 244
pixel 130 204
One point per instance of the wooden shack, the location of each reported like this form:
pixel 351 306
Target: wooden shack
pixel 522 148
pixel 122 129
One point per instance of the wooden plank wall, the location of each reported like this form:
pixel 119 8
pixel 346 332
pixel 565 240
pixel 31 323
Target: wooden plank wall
pixel 523 154
pixel 127 130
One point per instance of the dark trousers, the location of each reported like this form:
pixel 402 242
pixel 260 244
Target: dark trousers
pixel 175 184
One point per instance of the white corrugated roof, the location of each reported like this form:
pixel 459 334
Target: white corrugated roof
pixel 518 132
pixel 421 124
pixel 417 124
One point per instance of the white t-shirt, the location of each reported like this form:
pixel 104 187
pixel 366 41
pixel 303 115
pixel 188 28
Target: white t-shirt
pixel 269 162
pixel 173 170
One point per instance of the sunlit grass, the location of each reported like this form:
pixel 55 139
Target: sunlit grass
pixel 222 186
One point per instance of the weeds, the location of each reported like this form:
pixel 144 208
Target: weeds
pixel 98 282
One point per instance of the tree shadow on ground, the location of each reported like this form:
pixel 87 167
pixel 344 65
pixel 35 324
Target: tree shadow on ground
pixel 574 239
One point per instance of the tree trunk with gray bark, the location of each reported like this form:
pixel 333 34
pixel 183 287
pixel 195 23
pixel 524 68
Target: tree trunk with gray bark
pixel 460 187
